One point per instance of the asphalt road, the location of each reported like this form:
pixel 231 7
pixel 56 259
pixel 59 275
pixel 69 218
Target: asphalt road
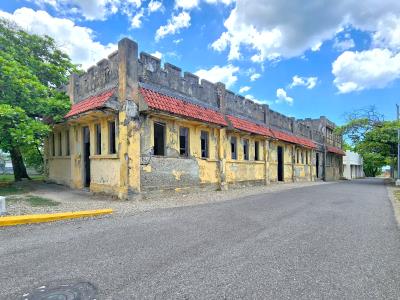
pixel 333 241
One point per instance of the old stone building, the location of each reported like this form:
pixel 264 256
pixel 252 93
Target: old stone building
pixel 137 127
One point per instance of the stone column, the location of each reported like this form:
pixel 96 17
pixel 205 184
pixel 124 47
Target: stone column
pixel 223 185
pixel 266 162
pixel 128 124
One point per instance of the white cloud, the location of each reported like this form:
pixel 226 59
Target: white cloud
pixel 225 74
pixel 226 2
pixel 244 89
pixel 78 42
pixel 308 82
pixel 356 71
pixel 177 22
pixel 177 41
pixel 388 33
pixel 282 97
pixel 157 54
pixel 344 44
pixel 154 6
pixel 254 99
pixel 186 4
pixel 92 9
pixel 278 29
pixel 255 76
pixel 137 19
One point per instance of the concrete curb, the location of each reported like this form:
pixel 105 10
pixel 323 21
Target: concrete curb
pixel 42 218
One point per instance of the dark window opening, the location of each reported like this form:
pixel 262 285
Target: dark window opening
pixel 60 144
pixel 111 136
pixel 246 149
pixel 256 150
pixel 307 160
pixel 53 145
pixel 184 141
pixel 98 138
pixel 302 157
pixel 204 144
pixel 233 148
pixel 68 151
pixel 159 138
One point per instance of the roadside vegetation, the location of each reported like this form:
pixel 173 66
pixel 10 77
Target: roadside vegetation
pixel 34 201
pixel 32 68
pixel 375 139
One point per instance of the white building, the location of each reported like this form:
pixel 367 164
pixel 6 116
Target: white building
pixel 352 165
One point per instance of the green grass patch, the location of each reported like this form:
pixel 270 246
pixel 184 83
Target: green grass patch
pixel 8 178
pixel 34 201
pixel 40 201
pixel 9 189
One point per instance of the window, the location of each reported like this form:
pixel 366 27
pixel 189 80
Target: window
pixel 233 148
pixel 307 161
pixel 111 138
pixel 59 144
pixel 302 157
pixel 159 138
pixel 184 141
pixel 204 144
pixel 67 146
pixel 298 156
pixel 53 145
pixel 245 149
pixel 256 150
pixel 97 128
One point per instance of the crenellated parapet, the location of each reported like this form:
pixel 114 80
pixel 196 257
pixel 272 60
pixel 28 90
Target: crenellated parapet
pixel 98 78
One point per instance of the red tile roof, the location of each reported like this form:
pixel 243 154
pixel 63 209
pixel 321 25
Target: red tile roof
pixel 283 136
pixel 180 107
pixel 248 126
pixel 90 103
pixel 335 150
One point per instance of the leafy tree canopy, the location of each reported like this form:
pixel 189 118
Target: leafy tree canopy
pixel 31 69
pixel 372 137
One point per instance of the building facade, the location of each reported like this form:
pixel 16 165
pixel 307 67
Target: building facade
pixel 353 165
pixel 136 127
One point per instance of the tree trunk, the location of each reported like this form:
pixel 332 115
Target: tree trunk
pixel 18 164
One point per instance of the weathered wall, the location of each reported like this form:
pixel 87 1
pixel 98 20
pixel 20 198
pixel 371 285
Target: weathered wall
pixel 103 171
pixel 60 170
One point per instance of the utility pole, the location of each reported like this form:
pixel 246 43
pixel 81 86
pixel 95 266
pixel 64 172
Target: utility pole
pixel 398 147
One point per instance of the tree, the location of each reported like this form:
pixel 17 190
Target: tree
pixel 31 69
pixel 372 137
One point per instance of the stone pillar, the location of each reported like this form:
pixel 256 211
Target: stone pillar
pixel 128 124
pixel 293 162
pixel 72 92
pixel 266 162
pixel 223 185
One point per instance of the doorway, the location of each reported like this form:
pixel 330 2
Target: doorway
pixel 280 163
pixel 86 154
pixel 317 164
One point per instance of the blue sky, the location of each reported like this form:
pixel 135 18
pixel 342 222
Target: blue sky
pixel 304 60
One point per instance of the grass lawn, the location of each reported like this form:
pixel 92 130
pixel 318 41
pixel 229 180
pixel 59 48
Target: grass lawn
pixel 34 201
pixel 7 178
pixel 7 186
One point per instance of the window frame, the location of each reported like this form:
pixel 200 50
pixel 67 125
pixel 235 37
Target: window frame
pixel 161 151
pixel 97 134
pixel 246 149
pixel 257 150
pixel 67 143
pixel 185 147
pixel 233 142
pixel 112 147
pixel 60 143
pixel 204 135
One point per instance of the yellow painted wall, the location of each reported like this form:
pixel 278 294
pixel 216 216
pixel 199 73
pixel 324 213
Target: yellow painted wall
pixel 60 170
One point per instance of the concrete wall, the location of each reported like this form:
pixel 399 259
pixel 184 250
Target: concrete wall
pixel 352 165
